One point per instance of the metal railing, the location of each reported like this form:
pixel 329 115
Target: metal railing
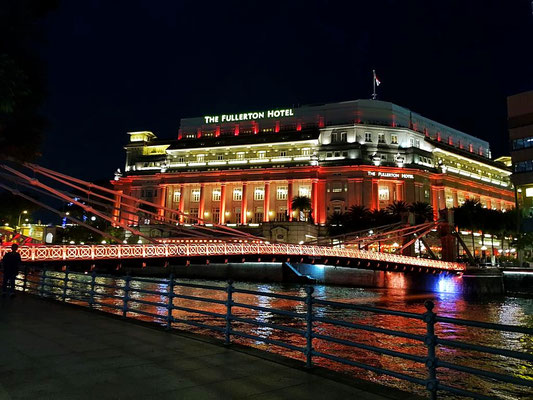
pixel 90 290
pixel 201 248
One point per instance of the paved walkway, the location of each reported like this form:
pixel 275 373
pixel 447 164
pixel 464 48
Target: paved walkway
pixel 56 351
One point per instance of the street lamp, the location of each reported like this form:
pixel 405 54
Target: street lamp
pixel 20 216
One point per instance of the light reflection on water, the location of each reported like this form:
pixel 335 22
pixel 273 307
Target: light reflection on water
pixel 506 310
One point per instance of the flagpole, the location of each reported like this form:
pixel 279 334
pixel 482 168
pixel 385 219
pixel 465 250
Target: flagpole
pixel 374 95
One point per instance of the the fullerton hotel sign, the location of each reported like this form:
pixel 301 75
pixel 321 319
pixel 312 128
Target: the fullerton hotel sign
pixel 215 119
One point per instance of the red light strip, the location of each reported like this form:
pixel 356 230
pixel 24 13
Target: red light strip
pixel 128 251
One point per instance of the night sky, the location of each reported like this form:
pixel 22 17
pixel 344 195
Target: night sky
pixel 118 66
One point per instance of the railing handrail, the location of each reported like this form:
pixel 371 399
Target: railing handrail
pixel 165 250
pixel 69 286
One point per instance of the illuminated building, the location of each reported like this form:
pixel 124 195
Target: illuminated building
pixel 245 168
pixel 520 111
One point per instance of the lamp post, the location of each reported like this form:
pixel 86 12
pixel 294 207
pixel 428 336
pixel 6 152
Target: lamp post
pixel 20 216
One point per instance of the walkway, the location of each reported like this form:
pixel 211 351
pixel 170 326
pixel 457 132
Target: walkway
pixel 55 351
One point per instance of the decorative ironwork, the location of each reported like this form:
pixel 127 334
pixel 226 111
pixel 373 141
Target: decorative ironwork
pixel 206 249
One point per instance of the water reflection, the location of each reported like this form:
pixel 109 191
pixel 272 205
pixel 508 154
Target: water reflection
pixel 508 310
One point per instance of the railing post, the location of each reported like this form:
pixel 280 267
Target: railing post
pixel 170 305
pixel 430 341
pixel 309 327
pixel 25 278
pixel 91 292
pixel 229 304
pixel 65 282
pixel 126 296
pixel 43 277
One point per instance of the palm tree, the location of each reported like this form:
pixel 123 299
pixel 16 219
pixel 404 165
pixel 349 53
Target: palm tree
pixel 303 205
pixel 398 209
pixel 380 217
pixel 358 218
pixel 423 212
pixel 468 216
pixel 337 224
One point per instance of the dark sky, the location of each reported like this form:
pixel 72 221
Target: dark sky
pixel 118 66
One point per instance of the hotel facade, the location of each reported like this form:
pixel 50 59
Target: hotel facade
pixel 245 168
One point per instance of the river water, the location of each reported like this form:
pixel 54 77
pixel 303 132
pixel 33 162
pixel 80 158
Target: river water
pixel 504 310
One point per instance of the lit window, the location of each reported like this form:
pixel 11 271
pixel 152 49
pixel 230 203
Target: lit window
pixel 282 193
pixel 261 154
pixel 216 194
pixel 368 137
pixel 304 191
pixel 177 195
pixel 259 193
pixel 337 187
pixel 383 193
pixel 195 195
pixel 240 155
pixel 200 157
pixel 394 139
pixel 306 152
pixel 237 194
pixel 529 192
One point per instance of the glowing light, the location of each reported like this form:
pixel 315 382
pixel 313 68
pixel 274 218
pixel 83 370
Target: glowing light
pixel 241 247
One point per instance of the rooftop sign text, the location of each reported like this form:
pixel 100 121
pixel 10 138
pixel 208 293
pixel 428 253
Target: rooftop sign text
pixel 216 119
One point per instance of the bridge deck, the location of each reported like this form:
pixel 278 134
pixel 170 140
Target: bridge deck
pixel 50 350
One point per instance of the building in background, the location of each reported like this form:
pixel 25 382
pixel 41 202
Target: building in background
pixel 244 169
pixel 520 112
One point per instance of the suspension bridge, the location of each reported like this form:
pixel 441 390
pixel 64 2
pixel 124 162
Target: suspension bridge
pixel 189 236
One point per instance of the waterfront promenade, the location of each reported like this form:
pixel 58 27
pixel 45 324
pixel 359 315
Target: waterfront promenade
pixel 57 351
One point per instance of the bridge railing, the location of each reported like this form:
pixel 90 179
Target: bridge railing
pixel 213 249
pixel 228 314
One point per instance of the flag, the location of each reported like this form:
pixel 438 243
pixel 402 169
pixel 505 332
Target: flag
pixel 376 79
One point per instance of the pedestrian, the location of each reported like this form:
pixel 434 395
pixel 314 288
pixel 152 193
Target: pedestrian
pixel 10 263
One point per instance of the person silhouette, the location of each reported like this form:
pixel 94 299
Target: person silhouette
pixel 10 263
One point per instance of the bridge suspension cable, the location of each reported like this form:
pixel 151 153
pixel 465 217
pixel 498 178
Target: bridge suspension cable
pixel 68 180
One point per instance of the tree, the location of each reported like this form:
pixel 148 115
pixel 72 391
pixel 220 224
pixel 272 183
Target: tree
pixel 22 87
pixel 422 211
pixel 337 224
pixel 398 209
pixel 380 218
pixel 468 216
pixel 359 218
pixel 302 204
